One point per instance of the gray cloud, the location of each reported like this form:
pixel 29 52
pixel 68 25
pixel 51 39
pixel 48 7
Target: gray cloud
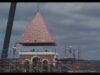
pixel 4 10
pixel 70 23
pixel 90 9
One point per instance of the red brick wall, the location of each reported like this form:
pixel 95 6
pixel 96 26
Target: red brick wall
pixel 29 57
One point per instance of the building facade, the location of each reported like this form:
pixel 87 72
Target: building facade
pixel 37 60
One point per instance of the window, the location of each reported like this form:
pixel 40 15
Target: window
pixel 26 65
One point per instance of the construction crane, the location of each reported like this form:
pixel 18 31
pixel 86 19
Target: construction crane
pixel 8 30
pixel 4 55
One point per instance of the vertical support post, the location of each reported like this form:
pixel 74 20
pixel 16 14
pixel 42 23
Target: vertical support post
pixel 78 53
pixel 78 58
pixel 76 65
pixel 74 55
pixel 65 51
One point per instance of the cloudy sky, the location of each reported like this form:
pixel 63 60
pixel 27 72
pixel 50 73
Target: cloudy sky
pixel 75 24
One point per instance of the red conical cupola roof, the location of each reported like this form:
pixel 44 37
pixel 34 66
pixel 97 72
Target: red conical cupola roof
pixel 36 33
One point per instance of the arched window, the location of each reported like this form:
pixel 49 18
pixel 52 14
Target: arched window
pixel 35 64
pixel 35 61
pixel 26 65
pixel 45 65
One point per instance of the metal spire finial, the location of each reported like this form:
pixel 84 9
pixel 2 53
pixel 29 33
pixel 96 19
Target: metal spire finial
pixel 38 6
